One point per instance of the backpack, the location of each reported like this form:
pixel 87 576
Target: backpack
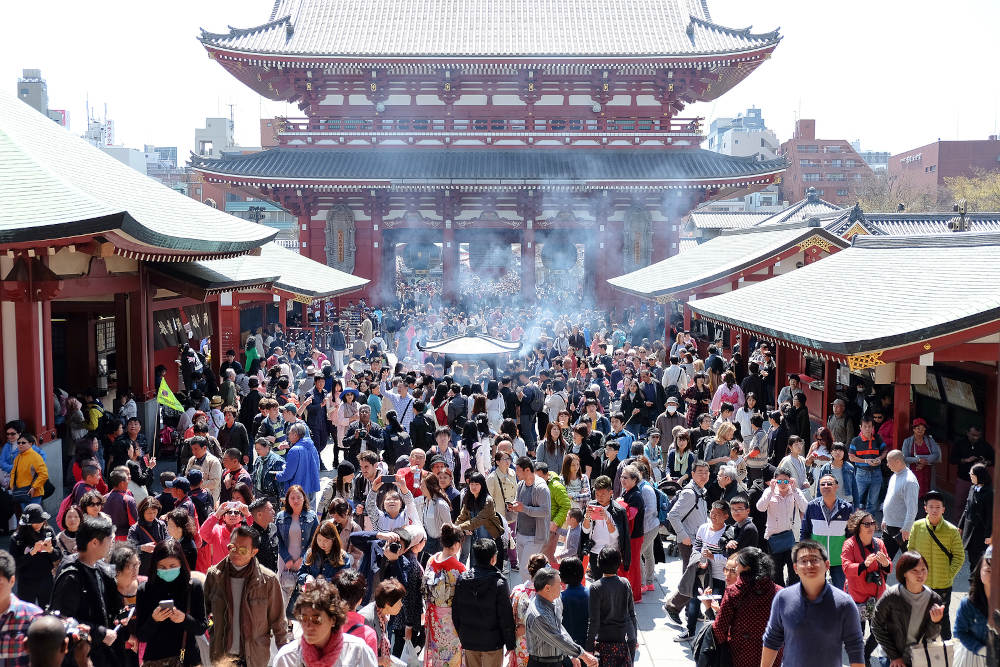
pixel 663 505
pixel 537 400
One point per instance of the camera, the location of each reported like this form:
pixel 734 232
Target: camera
pixel 874 578
pixel 395 547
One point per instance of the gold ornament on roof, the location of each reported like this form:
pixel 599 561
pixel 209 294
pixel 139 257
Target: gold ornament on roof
pixel 860 362
pixel 856 228
pixel 815 241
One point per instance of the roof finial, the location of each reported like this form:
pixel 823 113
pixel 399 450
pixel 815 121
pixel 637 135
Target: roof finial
pixel 812 195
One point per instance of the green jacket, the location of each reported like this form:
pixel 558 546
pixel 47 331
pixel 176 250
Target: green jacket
pixel 560 499
pixel 941 572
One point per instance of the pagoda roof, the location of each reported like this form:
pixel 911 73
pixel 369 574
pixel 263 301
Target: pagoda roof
pixel 726 219
pixel 546 166
pixel 819 301
pixel 919 224
pixel 470 345
pixel 55 185
pixel 490 28
pixel 729 254
pixel 275 267
pixel 809 207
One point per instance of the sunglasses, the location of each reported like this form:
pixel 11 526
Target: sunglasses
pixel 828 484
pixel 23 442
pixel 314 619
pixel 233 513
pixel 242 551
pixel 869 524
pixel 782 481
pixel 11 434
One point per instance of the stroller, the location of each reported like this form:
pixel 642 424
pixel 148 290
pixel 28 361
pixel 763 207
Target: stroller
pixel 667 535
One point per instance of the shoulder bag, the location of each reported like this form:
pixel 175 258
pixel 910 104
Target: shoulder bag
pixel 178 660
pixel 935 653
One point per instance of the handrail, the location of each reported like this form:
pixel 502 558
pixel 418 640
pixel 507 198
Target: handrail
pixel 488 125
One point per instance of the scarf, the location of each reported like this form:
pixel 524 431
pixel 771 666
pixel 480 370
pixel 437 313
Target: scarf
pixel 313 656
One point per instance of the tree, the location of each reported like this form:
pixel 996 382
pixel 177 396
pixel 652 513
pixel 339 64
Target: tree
pixel 883 193
pixel 981 190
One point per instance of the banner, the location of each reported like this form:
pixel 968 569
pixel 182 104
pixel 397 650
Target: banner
pixel 166 397
pixel 200 319
pixel 166 327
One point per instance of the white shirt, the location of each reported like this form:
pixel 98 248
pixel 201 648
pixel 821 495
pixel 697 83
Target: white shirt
pixel 601 536
pixel 354 653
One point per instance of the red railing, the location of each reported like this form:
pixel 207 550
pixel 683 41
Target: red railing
pixel 558 126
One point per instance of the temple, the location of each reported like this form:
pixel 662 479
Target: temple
pixel 523 137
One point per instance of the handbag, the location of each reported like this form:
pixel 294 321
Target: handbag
pixel 708 652
pixel 781 542
pixel 966 658
pixel 935 653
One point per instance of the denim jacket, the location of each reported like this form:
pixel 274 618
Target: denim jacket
pixel 308 522
pixel 970 626
pixel 850 479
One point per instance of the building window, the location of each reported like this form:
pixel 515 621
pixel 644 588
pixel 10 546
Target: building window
pixel 835 163
pixel 809 149
pixel 831 149
pixel 836 177
pixel 850 163
pixel 933 167
pixel 805 162
pixel 810 177
pixel 232 196
pixel 842 192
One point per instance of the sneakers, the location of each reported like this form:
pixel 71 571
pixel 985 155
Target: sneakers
pixel 674 616
pixel 648 588
pixel 684 637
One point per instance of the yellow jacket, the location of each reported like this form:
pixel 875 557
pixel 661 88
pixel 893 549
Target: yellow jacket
pixel 29 470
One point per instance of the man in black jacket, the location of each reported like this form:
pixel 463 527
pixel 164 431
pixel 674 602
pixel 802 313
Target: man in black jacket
pixel 481 609
pixel 84 590
pixel 743 533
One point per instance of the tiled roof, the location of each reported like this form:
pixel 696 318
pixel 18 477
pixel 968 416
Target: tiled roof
pixel 726 219
pixel 914 224
pixel 802 210
pixel 685 245
pixel 55 185
pixel 549 165
pixel 386 28
pixel 284 269
pixel 471 345
pixel 917 294
pixel 724 255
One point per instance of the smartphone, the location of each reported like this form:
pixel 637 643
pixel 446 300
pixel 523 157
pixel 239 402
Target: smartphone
pixel 388 479
pixel 596 512
pixel 703 598
pixel 166 604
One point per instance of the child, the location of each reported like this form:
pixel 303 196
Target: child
pixel 573 529
pixel 165 498
pixel 575 598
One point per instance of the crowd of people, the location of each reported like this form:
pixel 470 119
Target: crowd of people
pixel 330 508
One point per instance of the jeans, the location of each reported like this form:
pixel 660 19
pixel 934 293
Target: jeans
pixel 837 576
pixel 694 605
pixel 869 482
pixel 527 428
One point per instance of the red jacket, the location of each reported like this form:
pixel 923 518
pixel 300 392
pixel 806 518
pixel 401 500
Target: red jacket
pixel 853 561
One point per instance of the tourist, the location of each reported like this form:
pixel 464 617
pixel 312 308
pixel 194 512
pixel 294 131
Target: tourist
pixel 182 527
pixel 17 615
pixel 559 505
pixel 28 472
pixel 743 533
pixel 812 621
pixel 575 598
pixel 605 524
pixel 939 542
pixel 908 612
pixel 66 539
pixel 921 452
pixel 263 516
pixel 323 560
pixel 576 482
pixel 825 521
pixel 301 462
pixel 296 524
pixel 782 500
pixel 965 452
pixel 218 528
pixel 976 523
pixel 901 501
pixel 241 630
pixel 680 459
pixel 866 566
pixel 545 637
pixel 324 642
pixel 971 619
pixel 746 605
pixel 433 510
pixel 202 500
pixel 840 424
pixel 386 604
pixel 533 506
pixel 795 462
pixel 85 591
pixel 170 631
pixel 520 598
pixel 36 554
pixel 351 587
pixel 843 471
pixel 479 517
pixel 266 467
pixel 632 499
pixel 787 393
pixel 612 630
pixel 147 531
pixel 704 573
pixel 440 577
pixel 867 451
pixel 233 474
pixel 481 609
pixel 777 437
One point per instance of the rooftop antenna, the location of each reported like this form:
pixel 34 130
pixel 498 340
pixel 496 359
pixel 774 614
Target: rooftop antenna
pixel 231 119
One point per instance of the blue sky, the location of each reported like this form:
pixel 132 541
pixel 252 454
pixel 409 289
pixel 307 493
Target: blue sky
pixel 893 74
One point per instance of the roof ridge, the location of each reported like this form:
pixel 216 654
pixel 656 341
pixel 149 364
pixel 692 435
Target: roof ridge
pixel 741 32
pixel 240 32
pixel 783 227
pixel 944 240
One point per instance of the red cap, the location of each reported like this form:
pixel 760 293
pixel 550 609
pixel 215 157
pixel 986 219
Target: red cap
pixel 920 421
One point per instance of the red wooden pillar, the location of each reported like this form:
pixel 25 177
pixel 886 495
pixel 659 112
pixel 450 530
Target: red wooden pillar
pixel 449 263
pixel 34 367
pixel 829 388
pixel 528 262
pixel 901 402
pixel 687 317
pixel 228 329
pixel 140 327
pixel 668 310
pixel 282 314
pixel 779 371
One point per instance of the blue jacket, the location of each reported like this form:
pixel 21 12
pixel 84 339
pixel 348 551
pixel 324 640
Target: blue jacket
pixel 308 522
pixel 301 467
pixel 850 478
pixel 970 626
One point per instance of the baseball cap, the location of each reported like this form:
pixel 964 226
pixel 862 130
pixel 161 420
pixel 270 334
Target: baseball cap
pixel 181 483
pixel 673 400
pixel 289 407
pixel 194 477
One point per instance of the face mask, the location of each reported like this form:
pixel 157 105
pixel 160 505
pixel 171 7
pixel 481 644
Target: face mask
pixel 169 574
pixel 671 409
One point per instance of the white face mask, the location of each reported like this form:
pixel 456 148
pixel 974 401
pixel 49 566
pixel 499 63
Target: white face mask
pixel 671 409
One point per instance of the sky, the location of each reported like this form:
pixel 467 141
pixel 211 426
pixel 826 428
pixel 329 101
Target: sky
pixel 895 74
